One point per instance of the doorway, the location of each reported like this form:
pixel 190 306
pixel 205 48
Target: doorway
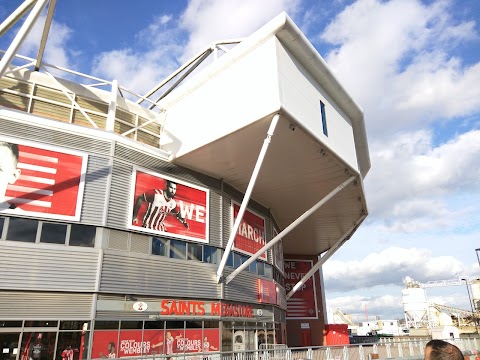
pixel 306 337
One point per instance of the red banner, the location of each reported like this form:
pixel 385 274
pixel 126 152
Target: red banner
pixel 267 291
pixel 165 206
pixel 250 236
pixel 42 181
pixel 302 304
pixel 130 342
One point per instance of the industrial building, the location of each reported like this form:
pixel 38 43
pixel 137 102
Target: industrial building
pixel 191 218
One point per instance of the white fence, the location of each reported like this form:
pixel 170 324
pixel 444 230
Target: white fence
pixel 408 350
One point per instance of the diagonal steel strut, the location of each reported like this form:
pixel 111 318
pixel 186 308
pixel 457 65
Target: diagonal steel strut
pixel 289 228
pixel 246 197
pixel 325 257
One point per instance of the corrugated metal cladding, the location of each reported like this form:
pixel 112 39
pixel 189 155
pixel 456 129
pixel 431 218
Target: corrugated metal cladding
pixel 50 136
pixel 126 241
pixel 279 315
pixel 119 200
pixel 227 219
pixel 43 305
pixel 252 204
pixel 242 288
pixel 215 218
pixel 157 276
pixel 282 296
pixel 134 156
pixel 45 269
pixel 95 193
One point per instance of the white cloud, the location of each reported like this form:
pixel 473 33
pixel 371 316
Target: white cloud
pixel 398 67
pixel 207 21
pixel 56 50
pixel 413 182
pixel 361 308
pixel 389 267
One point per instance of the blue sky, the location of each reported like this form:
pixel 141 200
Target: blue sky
pixel 413 66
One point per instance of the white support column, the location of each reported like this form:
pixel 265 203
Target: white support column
pixel 112 107
pixel 289 228
pixel 15 16
pixel 325 257
pixel 246 197
pixel 21 35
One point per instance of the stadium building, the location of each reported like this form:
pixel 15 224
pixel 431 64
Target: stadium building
pixel 193 218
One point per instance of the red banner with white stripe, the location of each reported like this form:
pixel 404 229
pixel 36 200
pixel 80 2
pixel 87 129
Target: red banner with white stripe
pixel 50 182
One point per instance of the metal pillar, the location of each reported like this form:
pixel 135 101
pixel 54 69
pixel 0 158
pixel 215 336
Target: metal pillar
pixel 21 35
pixel 324 258
pixel 289 228
pixel 246 197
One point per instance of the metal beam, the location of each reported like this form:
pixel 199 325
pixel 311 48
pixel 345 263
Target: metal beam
pixel 289 228
pixel 15 16
pixel 46 29
pixel 21 35
pixel 175 73
pixel 327 255
pixel 246 197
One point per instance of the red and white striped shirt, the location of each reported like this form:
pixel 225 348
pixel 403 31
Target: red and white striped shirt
pixel 158 209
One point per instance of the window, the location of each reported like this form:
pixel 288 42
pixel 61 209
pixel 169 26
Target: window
pixel 195 252
pixel 211 254
pixel 53 233
pixel 82 235
pixel 34 231
pixel 178 249
pixel 324 118
pixel 237 260
pixel 268 271
pixel 230 260
pixel 24 230
pixel 159 246
pixel 260 268
pixel 253 267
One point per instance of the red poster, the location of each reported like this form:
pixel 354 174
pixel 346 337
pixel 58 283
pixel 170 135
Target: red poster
pixel 41 180
pixel 166 206
pixel 267 291
pixel 250 236
pixel 105 344
pixel 154 342
pixel 302 304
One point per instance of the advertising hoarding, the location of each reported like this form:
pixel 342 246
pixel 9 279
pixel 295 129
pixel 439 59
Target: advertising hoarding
pixel 303 303
pixel 166 206
pixel 40 180
pixel 250 236
pixel 112 344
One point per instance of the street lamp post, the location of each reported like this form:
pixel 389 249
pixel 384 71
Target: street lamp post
pixel 470 301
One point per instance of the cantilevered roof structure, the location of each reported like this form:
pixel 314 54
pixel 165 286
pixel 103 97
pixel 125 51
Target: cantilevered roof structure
pixel 270 119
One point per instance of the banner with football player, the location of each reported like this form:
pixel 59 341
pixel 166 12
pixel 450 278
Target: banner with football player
pixel 166 206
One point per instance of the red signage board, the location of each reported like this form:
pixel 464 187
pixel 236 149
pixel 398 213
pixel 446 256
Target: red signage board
pixel 266 291
pixel 201 308
pixel 41 180
pixel 250 236
pixel 303 303
pixel 111 344
pixel 166 206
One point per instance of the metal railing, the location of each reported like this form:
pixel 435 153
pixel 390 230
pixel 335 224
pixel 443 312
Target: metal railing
pixel 412 350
